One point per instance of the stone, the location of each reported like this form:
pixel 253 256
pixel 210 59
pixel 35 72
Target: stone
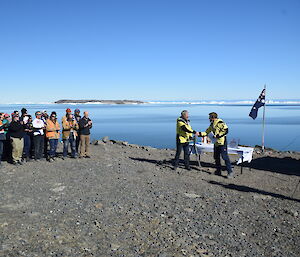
pixel 262 197
pixel 58 189
pixel 99 205
pixel 105 139
pixel 3 224
pixel 114 246
pixel 236 212
pixel 95 142
pixel 272 212
pixel 292 212
pixel 97 224
pixel 191 195
pixel 189 210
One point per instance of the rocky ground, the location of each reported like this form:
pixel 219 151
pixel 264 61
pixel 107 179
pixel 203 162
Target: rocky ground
pixel 127 201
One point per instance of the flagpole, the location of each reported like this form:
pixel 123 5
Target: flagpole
pixel 263 124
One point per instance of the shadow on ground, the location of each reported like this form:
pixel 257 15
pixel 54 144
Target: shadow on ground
pixel 287 165
pixel 250 190
pixel 169 163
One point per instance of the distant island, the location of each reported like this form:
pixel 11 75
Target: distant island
pixel 68 101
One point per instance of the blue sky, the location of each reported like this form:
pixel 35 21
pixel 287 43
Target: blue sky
pixel 149 49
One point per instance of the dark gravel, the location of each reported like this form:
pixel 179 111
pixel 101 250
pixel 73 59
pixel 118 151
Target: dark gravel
pixel 127 201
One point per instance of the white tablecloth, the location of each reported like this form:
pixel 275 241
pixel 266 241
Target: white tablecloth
pixel 245 153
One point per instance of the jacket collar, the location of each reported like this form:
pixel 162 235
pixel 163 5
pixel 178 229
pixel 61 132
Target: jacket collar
pixel 184 120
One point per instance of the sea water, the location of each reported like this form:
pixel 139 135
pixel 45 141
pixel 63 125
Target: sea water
pixel 155 124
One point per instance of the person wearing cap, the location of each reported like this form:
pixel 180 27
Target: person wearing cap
pixel 38 135
pixel 68 111
pixel 70 128
pixel 85 124
pixel 16 134
pixel 28 137
pixel 77 118
pixel 52 134
pixel 45 116
pixel 219 129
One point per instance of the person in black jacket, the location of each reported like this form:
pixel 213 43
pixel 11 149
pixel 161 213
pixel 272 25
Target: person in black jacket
pixel 77 117
pixel 16 133
pixel 3 126
pixel 23 115
pixel 85 124
pixel 28 137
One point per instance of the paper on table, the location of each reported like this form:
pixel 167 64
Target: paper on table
pixel 212 138
pixel 233 143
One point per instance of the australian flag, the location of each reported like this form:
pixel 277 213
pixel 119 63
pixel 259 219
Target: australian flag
pixel 259 103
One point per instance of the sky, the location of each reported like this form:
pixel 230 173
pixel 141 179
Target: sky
pixel 148 49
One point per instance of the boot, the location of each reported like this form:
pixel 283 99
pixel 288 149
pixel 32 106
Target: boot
pixel 218 172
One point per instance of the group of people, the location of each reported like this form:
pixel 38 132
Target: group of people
pixel 23 137
pixel 217 128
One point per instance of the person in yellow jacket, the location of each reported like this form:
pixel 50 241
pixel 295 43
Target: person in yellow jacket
pixel 219 129
pixel 70 128
pixel 52 134
pixel 184 134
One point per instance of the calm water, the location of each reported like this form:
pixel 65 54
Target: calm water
pixel 154 124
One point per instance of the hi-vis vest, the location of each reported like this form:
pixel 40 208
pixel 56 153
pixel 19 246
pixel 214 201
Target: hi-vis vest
pixel 183 136
pixel 220 130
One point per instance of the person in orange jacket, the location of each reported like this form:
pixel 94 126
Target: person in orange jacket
pixel 52 134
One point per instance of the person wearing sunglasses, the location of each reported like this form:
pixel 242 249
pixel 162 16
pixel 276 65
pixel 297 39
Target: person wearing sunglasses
pixel 52 134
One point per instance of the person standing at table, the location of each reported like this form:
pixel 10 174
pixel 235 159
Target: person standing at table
pixel 219 129
pixel 184 133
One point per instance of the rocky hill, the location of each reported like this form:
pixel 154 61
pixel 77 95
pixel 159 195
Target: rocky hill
pixel 66 101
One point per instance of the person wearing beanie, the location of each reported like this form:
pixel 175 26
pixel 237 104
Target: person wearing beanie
pixel 68 111
pixel 23 117
pixel 70 128
pixel 220 130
